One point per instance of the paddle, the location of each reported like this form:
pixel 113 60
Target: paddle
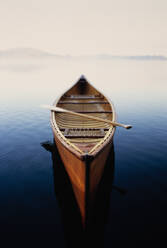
pixel 57 109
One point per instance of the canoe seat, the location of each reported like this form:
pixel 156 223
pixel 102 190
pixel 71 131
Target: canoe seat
pixel 92 102
pixel 84 132
pixel 95 112
pixel 80 97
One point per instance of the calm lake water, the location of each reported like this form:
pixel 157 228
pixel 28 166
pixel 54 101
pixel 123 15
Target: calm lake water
pixel 35 202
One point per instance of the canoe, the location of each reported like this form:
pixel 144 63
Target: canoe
pixel 83 144
pixel 93 233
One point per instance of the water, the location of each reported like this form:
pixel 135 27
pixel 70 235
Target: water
pixel 31 191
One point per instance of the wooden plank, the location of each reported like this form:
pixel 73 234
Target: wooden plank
pixel 83 96
pixel 95 112
pixel 93 102
pixel 84 129
pixel 80 97
pixel 84 133
pixel 84 136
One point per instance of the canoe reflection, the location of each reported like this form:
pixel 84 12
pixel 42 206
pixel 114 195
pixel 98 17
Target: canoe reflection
pixel 93 233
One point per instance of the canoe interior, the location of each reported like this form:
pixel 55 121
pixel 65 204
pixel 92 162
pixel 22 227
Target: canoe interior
pixel 84 133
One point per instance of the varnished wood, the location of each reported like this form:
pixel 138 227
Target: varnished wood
pixel 57 109
pixel 105 129
pixel 76 102
pixel 83 157
pixel 84 133
pixel 81 97
pixel 98 210
pixel 94 112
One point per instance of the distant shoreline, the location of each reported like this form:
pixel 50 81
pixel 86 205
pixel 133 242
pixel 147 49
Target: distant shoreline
pixel 24 53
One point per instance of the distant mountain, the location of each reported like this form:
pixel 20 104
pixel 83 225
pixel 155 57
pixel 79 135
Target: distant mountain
pixel 134 57
pixel 26 52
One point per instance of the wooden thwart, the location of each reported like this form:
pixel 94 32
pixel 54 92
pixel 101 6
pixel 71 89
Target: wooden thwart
pixel 85 97
pixel 84 132
pixel 95 112
pixel 89 129
pixel 93 102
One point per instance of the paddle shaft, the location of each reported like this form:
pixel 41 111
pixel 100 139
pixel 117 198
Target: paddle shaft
pixel 57 109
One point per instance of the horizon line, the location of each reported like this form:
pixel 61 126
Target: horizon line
pixel 29 51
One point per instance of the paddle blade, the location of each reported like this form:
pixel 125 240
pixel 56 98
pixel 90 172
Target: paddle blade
pixel 53 108
pixel 128 126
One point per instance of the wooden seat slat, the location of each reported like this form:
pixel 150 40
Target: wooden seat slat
pixel 84 132
pixel 85 129
pixel 84 136
pixel 93 112
pixel 78 97
pixel 92 102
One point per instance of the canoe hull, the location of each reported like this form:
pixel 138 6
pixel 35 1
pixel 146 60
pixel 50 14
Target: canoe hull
pixel 84 143
pixel 84 175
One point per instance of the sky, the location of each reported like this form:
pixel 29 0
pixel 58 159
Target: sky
pixel 77 27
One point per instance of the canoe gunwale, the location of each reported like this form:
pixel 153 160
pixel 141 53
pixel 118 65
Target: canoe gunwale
pixel 64 141
pixel 97 149
pixel 109 134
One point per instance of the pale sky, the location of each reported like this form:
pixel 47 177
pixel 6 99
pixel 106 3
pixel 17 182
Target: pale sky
pixel 119 27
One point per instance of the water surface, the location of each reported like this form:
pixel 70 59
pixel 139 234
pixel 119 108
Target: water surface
pixel 29 205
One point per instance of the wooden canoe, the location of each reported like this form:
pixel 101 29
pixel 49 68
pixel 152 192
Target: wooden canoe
pixel 92 235
pixel 83 144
